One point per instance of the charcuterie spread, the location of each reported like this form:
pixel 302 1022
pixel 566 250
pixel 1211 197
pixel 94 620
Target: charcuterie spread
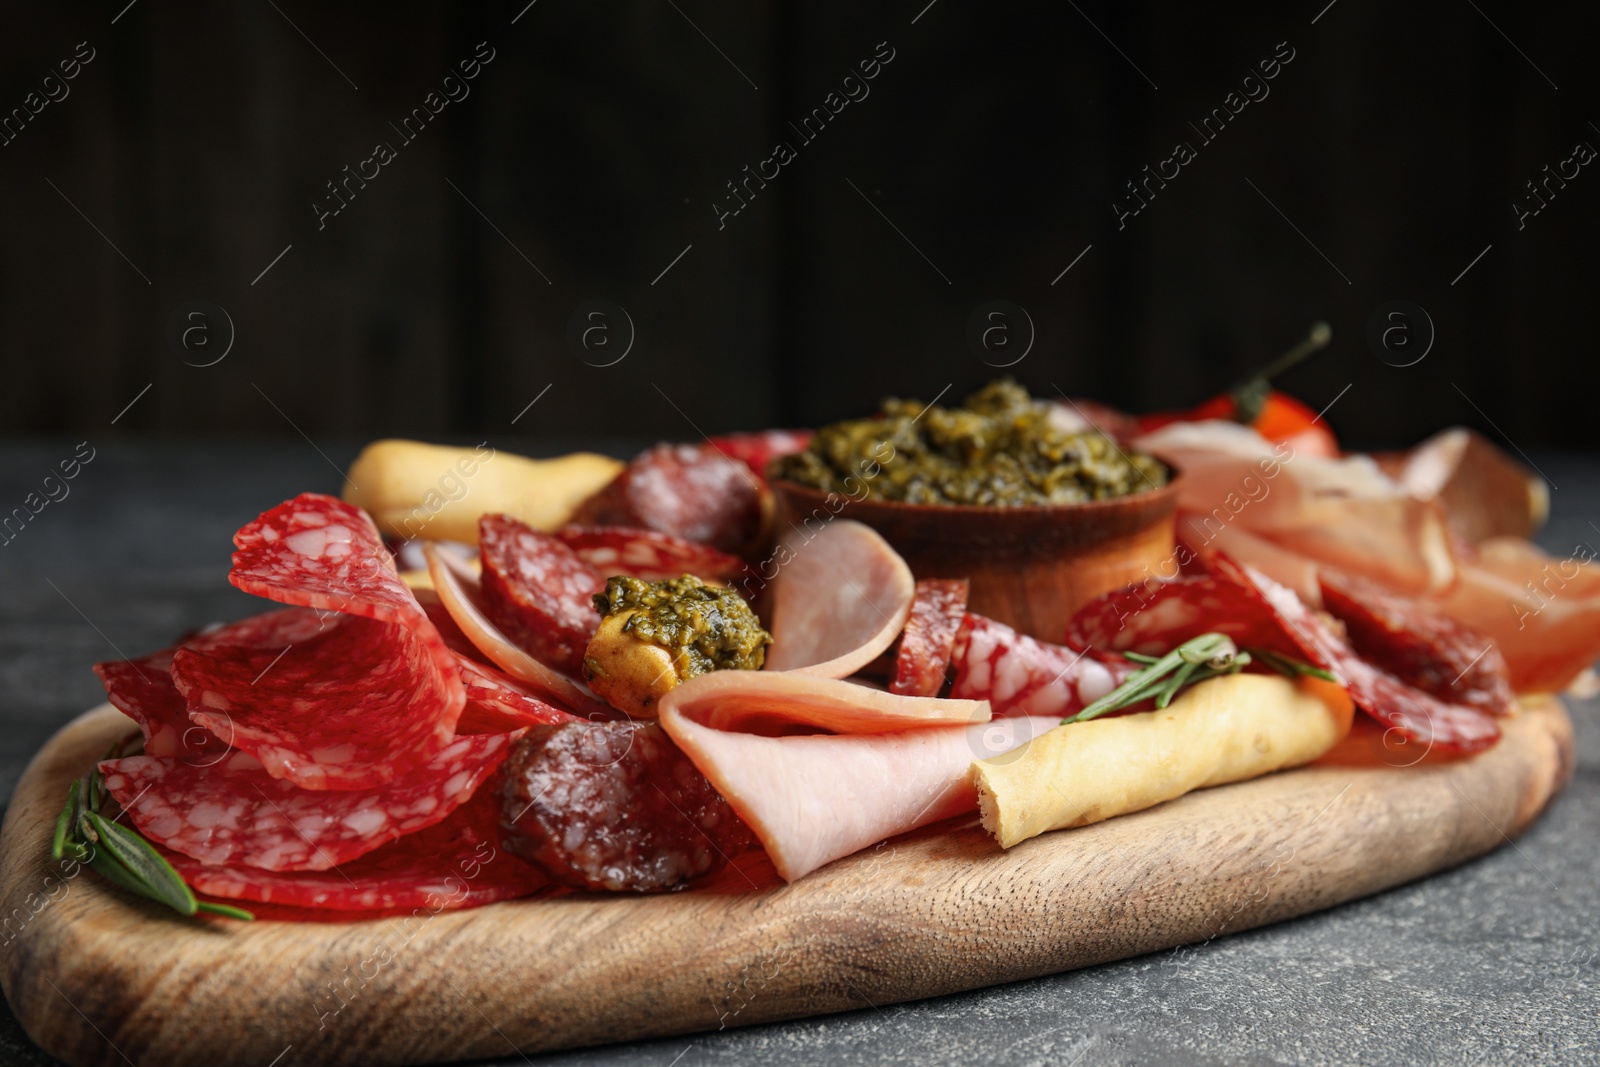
pixel 592 676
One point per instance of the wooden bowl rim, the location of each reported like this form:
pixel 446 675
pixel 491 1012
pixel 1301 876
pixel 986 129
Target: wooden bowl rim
pixel 1157 496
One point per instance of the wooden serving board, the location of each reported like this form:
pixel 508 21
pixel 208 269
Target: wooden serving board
pixel 98 977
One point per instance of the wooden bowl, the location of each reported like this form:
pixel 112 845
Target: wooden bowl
pixel 1030 567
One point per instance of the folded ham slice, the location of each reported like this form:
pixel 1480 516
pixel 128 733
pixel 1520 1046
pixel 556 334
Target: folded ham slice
pixel 1343 512
pixel 760 702
pixel 841 597
pixel 461 596
pixel 813 798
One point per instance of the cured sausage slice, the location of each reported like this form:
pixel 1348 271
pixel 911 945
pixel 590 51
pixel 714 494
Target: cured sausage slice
pixel 462 597
pixel 688 491
pixel 1419 645
pixel 930 636
pixel 142 689
pixel 232 811
pixel 615 806
pixel 538 592
pixel 647 555
pixel 496 703
pixel 457 863
pixel 756 450
pixel 365 687
pixel 1021 675
pixel 327 702
pixel 1256 611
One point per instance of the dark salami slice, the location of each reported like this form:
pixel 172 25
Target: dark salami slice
pixel 538 592
pixel 688 491
pixel 1020 675
pixel 233 812
pixel 1418 645
pixel 327 702
pixel 497 703
pixel 647 555
pixel 142 689
pixel 615 806
pixel 756 450
pixel 1155 617
pixel 930 636
pixel 457 863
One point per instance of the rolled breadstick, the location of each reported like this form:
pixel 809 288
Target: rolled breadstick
pixel 1224 730
pixel 436 492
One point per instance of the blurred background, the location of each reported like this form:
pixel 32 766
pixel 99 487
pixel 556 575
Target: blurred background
pixel 202 236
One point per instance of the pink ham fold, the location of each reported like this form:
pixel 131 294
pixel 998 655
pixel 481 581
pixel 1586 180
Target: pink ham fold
pixel 813 798
pixel 840 599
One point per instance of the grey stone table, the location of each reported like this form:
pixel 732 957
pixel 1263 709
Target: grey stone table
pixel 1492 963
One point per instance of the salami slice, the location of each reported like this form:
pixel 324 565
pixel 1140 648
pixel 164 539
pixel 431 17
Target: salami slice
pixel 756 450
pixel 457 863
pixel 1020 675
pixel 647 555
pixel 233 812
pixel 615 806
pixel 327 702
pixel 1256 611
pixel 365 686
pixel 538 592
pixel 1419 645
pixel 496 703
pixel 930 636
pixel 142 689
pixel 688 491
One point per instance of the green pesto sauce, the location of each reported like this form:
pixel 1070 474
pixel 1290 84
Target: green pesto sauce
pixel 705 627
pixel 1001 448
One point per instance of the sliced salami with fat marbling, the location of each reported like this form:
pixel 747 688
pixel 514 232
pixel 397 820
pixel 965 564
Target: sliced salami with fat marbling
pixel 1021 675
pixel 647 555
pixel 930 636
pixel 457 863
pixel 689 491
pixel 538 592
pixel 142 689
pixel 355 688
pixel 233 812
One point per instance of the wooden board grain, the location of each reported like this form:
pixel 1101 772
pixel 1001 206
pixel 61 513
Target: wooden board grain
pixel 99 978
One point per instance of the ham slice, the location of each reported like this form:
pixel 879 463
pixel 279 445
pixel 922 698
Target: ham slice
pixel 1485 492
pixel 1343 512
pixel 1542 611
pixel 459 592
pixel 814 798
pixel 761 702
pixel 841 597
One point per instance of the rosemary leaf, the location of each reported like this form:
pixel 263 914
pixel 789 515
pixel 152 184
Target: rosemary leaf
pixel 225 909
pixel 141 859
pixel 1140 657
pixel 58 843
pixel 1180 677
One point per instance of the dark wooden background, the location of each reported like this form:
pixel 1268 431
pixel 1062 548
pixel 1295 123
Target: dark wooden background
pixel 599 136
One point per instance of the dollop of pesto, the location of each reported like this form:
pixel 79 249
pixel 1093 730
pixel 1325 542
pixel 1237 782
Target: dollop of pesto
pixel 705 627
pixel 1001 448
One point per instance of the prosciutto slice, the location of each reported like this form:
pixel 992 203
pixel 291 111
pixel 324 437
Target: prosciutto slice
pixel 811 799
pixel 461 596
pixel 1542 611
pixel 840 598
pixel 1346 512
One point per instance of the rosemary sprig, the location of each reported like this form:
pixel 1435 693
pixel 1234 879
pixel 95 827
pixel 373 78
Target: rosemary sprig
pixel 120 855
pixel 1196 660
